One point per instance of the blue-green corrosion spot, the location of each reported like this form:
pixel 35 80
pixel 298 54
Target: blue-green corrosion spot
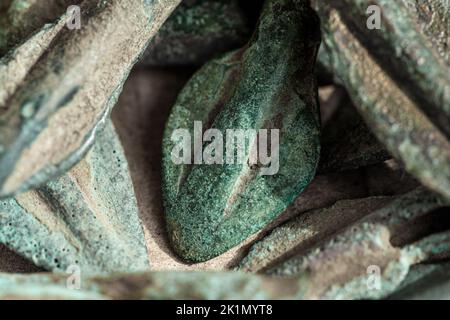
pixel 268 84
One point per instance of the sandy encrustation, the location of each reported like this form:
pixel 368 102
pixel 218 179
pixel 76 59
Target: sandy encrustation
pixel 140 117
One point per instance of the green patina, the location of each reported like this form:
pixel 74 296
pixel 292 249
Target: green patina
pixel 391 238
pixel 336 268
pixel 268 84
pixel 411 118
pixel 307 230
pixel 407 54
pixel 397 78
pixel 87 217
pixel 152 285
pixel 425 282
pixel 68 80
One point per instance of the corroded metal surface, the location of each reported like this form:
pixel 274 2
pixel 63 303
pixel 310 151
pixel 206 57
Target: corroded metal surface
pixel 157 285
pixel 432 19
pixel 410 114
pixel 211 208
pixel 19 19
pixel 50 120
pixel 307 230
pixel 87 218
pixel 425 282
pixel 364 226
pixel 392 239
pixel 400 47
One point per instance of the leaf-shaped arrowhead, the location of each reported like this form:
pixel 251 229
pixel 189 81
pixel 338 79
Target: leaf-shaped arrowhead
pixel 269 84
pixel 49 119
pixel 86 218
pixel 399 82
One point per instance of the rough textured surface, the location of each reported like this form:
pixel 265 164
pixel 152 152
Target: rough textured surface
pixel 15 66
pixel 411 122
pixel 431 18
pixel 147 97
pixel 211 208
pixel 196 32
pixel 327 190
pixel 306 231
pixel 406 52
pixel 327 206
pixel 88 217
pixel 337 269
pixel 19 19
pixel 157 285
pixel 392 238
pixel 49 122
pixel 426 282
pixel 352 216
